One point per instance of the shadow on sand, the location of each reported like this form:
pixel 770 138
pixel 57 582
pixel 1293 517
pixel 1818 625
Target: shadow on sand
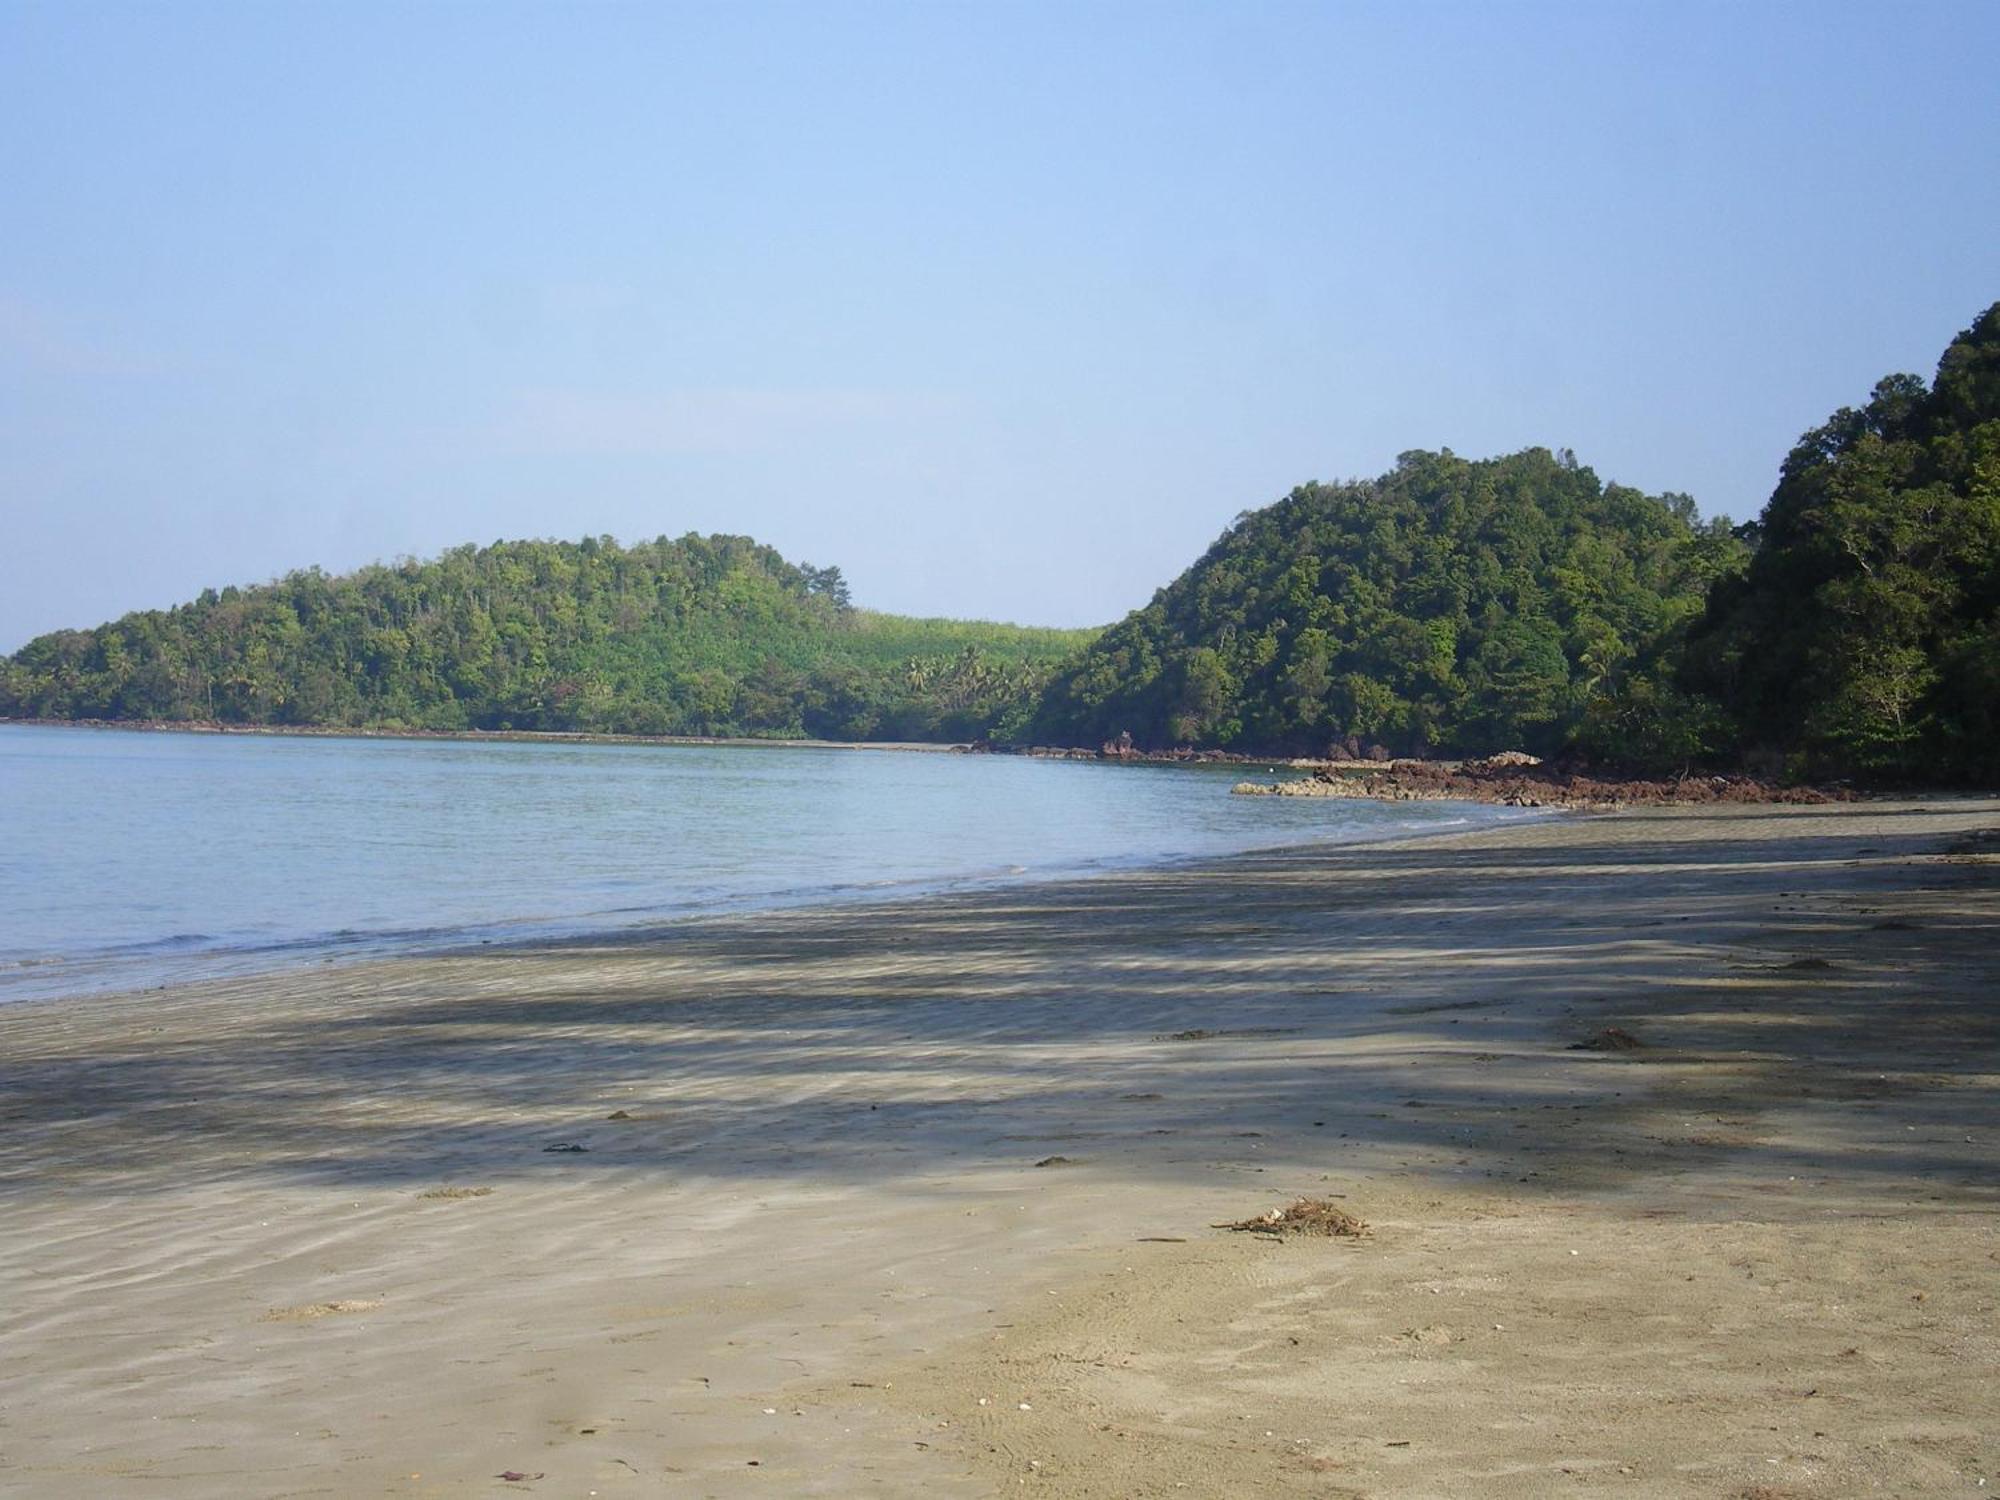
pixel 1420 1003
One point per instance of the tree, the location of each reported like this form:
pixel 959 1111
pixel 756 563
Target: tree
pixel 826 583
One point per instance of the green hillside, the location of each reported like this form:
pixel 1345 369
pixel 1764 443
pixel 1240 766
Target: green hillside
pixel 701 635
pixel 1449 606
pixel 1865 637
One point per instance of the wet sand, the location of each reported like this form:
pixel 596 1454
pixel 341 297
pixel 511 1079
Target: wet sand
pixel 305 1235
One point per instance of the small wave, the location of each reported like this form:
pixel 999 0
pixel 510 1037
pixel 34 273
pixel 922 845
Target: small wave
pixel 173 942
pixel 353 937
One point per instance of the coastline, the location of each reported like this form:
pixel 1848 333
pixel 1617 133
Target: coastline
pixel 808 1248
pixel 473 736
pixel 1108 754
pixel 1522 781
pixel 141 970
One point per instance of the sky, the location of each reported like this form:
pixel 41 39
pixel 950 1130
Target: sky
pixel 1004 308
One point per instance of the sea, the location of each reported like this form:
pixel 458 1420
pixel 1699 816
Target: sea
pixel 131 860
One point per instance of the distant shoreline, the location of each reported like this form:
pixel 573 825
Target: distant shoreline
pixel 1496 781
pixel 480 736
pixel 606 737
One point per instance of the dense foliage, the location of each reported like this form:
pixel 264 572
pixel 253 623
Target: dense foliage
pixel 1450 605
pixel 703 635
pixel 1865 637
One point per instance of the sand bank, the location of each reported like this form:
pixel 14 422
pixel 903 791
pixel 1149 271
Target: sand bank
pixel 306 1235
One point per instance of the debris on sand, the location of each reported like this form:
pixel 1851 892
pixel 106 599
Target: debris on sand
pixel 565 1147
pixel 1808 965
pixel 1305 1216
pixel 311 1310
pixel 1610 1039
pixel 455 1192
pixel 1055 1161
pixel 1204 1034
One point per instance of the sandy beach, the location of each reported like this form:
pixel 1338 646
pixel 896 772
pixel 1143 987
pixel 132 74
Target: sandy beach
pixel 1675 1130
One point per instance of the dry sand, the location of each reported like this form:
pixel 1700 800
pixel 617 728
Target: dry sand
pixel 302 1235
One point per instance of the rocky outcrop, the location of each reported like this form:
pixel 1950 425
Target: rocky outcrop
pixel 1516 780
pixel 1118 750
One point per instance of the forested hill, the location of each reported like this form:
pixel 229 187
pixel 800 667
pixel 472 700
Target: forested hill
pixel 709 635
pixel 1865 637
pixel 1449 606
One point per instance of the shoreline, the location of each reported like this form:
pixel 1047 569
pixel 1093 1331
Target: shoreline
pixel 555 934
pixel 1110 755
pixel 1507 779
pixel 917 1198
pixel 475 736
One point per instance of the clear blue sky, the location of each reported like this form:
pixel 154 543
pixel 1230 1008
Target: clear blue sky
pixel 1004 308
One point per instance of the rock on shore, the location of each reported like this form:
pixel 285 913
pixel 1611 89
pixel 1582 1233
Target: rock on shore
pixel 1515 780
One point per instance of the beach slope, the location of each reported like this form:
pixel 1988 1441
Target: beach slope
pixel 1674 1131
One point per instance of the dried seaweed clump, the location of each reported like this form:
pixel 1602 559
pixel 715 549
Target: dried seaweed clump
pixel 307 1312
pixel 1306 1216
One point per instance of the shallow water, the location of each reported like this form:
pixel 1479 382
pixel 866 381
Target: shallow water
pixel 133 859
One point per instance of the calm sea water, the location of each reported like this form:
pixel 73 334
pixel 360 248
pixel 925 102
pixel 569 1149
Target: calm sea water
pixel 129 860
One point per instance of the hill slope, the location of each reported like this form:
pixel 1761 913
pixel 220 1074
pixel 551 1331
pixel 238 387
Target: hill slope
pixel 1449 605
pixel 1865 637
pixel 700 635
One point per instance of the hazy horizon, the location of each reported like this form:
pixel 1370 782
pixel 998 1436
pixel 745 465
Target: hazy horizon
pixel 1005 312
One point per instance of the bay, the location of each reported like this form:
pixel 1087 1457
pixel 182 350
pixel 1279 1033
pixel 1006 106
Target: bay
pixel 131 860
